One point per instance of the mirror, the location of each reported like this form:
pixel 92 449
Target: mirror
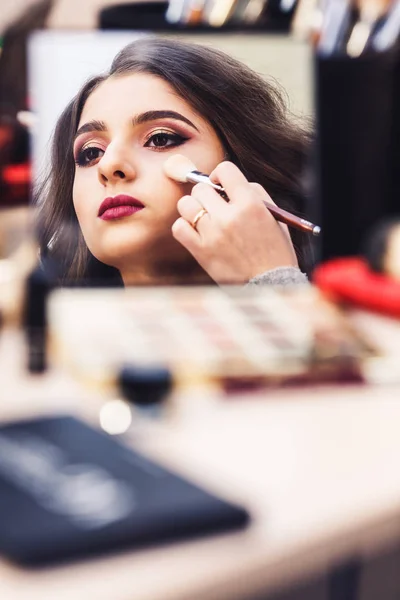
pixel 60 63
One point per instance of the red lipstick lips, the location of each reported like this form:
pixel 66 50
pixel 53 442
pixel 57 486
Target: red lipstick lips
pixel 118 207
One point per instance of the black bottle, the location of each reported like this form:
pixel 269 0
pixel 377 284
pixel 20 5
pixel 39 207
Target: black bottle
pixel 37 288
pixel 145 387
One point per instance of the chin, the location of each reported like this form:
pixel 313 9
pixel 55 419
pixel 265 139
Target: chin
pixel 126 245
pixel 118 254
pixel 115 257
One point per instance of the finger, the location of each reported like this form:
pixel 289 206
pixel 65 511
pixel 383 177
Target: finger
pixel 184 233
pixel 210 199
pixel 232 180
pixel 265 197
pixel 261 192
pixel 191 210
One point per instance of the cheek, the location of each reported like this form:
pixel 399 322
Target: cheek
pixel 165 192
pixel 173 193
pixel 207 157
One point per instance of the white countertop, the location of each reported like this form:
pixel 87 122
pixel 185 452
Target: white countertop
pixel 317 469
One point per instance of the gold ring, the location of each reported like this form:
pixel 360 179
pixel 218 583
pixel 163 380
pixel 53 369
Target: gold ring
pixel 197 218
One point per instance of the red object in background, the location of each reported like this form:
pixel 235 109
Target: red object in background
pixel 15 184
pixel 351 280
pixel 17 174
pixel 15 171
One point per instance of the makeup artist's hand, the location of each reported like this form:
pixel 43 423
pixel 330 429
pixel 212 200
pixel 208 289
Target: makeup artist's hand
pixel 236 240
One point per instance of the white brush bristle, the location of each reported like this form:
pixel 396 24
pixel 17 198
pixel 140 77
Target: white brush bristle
pixel 177 167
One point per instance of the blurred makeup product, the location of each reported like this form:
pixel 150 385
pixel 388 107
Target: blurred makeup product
pixel 336 22
pixel 192 336
pixel 15 172
pixel 194 13
pixel 389 31
pixel 238 11
pixel 145 388
pixel 175 11
pixel 18 256
pixel 353 27
pixel 269 14
pixel 357 111
pixel 382 248
pixel 219 12
pixel 391 257
pixel 307 21
pixel 253 11
pixel 287 5
pixel 28 119
pixel 181 169
pixel 370 11
pixel 372 302
pixel 352 281
pixel 93 494
pixel 37 289
pixel 185 12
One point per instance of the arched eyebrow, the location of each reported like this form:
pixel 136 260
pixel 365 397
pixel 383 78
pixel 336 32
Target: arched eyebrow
pixel 153 115
pixel 91 126
pixel 150 115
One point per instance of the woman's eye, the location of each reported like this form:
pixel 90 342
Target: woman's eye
pixel 88 156
pixel 164 139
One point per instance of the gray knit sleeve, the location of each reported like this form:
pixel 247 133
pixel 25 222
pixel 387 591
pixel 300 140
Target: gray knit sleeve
pixel 279 276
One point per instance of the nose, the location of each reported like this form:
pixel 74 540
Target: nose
pixel 116 164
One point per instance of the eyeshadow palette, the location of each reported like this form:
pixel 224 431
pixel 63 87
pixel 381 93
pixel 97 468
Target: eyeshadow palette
pixel 220 334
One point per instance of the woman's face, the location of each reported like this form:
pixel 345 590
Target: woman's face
pixel 124 202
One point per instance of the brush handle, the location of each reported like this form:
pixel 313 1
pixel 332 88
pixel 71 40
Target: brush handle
pixel 284 216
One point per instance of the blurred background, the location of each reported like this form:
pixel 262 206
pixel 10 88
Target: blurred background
pixel 282 402
pixel 60 62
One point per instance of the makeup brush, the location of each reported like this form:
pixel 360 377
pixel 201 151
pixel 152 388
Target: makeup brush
pixel 182 169
pixel 370 11
pixel 389 32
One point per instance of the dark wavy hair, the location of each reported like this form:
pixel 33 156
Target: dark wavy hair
pixel 248 114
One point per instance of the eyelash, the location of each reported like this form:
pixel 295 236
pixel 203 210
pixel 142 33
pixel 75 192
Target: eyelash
pixel 82 155
pixel 175 140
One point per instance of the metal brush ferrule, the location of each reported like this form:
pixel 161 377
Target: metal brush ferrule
pixel 198 177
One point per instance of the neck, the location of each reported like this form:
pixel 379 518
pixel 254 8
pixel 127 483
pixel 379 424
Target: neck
pixel 167 274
